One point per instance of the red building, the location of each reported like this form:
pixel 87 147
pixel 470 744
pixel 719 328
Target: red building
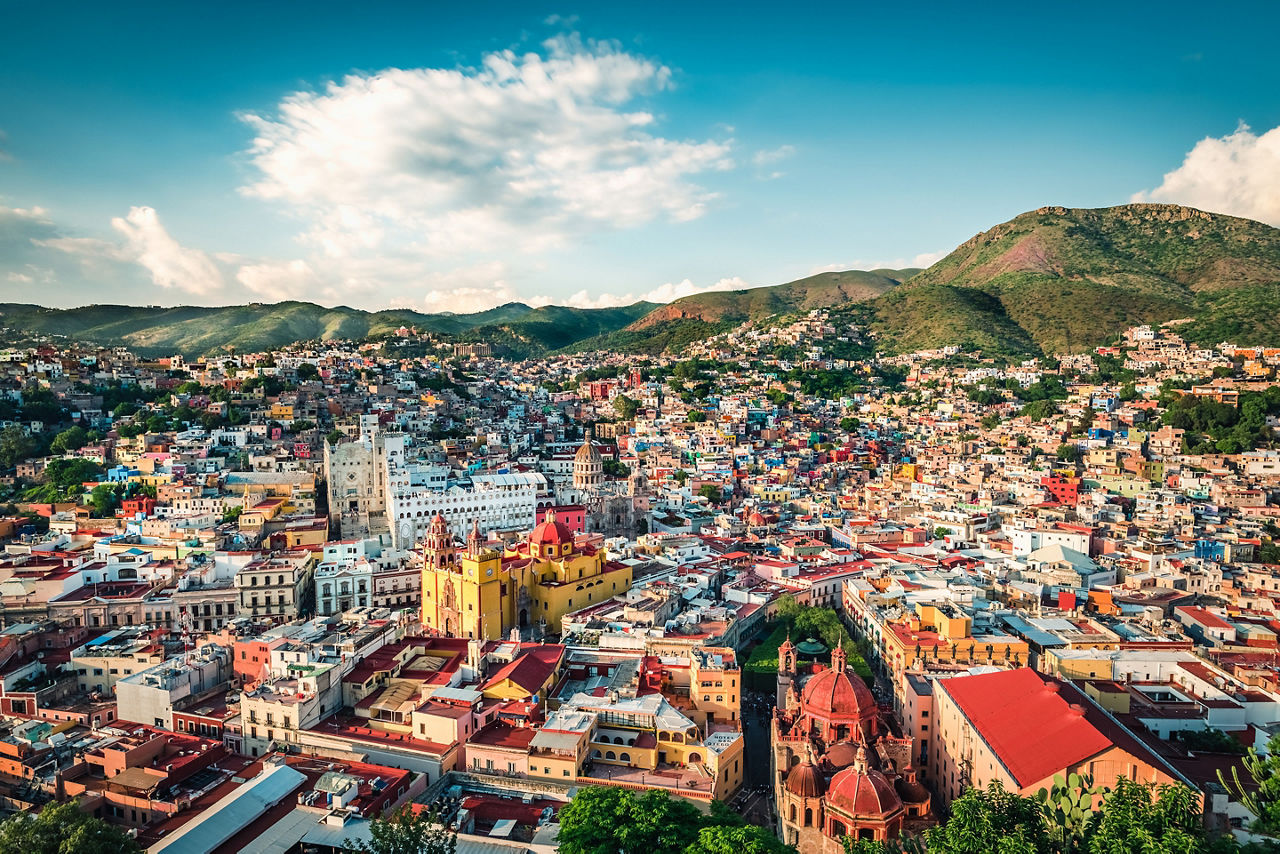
pixel 1065 490
pixel 572 516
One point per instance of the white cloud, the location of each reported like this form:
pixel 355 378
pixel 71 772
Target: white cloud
pixel 924 259
pixel 170 264
pixel 519 154
pixel 1237 174
pixel 773 155
pixel 467 289
pixel 288 280
pixel 663 293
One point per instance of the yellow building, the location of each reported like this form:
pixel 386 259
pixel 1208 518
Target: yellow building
pixel 941 634
pixel 484 593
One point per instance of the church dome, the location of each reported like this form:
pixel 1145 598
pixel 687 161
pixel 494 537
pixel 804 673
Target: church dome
pixel 756 519
pixel 841 755
pixel 806 781
pixel 588 454
pixel 859 792
pixel 911 791
pixel 551 533
pixel 835 694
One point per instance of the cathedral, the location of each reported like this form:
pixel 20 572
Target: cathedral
pixel 613 507
pixel 838 770
pixel 485 590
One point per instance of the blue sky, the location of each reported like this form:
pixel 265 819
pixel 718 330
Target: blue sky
pixel 455 156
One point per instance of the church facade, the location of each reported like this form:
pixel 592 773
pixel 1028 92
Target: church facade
pixel 613 507
pixel 838 768
pixel 485 591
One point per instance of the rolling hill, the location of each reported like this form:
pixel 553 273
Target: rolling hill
pixel 196 331
pixel 1054 280
pixel 693 318
pixel 1063 280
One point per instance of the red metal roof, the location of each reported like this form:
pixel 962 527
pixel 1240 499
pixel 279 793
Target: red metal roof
pixel 1025 720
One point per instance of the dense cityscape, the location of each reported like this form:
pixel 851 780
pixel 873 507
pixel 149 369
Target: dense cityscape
pixel 261 601
pixel 639 428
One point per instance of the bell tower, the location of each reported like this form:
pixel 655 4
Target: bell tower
pixel 786 670
pixel 437 546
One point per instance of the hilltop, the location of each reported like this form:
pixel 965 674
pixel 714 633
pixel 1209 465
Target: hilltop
pixel 1066 279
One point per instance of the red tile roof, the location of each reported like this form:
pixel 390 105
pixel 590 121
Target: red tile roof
pixel 1024 719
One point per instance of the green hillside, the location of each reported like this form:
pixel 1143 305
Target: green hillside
pixel 825 290
pixel 196 331
pixel 1053 280
pixel 677 324
pixel 1070 279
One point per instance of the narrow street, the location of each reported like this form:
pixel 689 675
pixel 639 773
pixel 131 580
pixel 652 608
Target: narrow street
pixel 754 802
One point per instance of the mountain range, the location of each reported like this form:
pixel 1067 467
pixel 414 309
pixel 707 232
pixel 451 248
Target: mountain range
pixel 1050 281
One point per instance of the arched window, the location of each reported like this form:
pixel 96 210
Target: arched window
pixel 617 739
pixel 610 755
pixel 694 757
pixel 793 813
pixel 808 817
pixel 838 830
pixel 625 757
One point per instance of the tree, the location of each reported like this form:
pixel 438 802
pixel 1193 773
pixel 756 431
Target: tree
pixel 625 407
pixel 71 439
pixel 15 446
pixel 941 533
pixel 1265 802
pixel 994 820
pixel 1149 818
pixel 407 832
pixel 605 820
pixel 681 476
pixel 722 839
pixel 709 492
pixel 696 416
pixel 65 474
pixel 849 424
pixel 308 372
pixel 1039 410
pixel 1068 453
pixel 63 829
pixel 104 499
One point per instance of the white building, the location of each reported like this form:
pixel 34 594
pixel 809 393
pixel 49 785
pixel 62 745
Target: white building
pixel 417 492
pixel 344 579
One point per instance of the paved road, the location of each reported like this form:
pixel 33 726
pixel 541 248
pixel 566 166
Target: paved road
pixel 755 801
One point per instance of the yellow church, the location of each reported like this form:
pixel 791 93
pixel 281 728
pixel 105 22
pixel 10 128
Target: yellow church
pixel 483 592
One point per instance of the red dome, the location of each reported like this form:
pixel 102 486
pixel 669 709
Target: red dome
pixel 841 754
pixel 861 793
pixel 835 694
pixel 551 533
pixel 806 781
pixel 757 520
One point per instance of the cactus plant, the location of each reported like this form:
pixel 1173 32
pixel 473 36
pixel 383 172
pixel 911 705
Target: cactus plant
pixel 1068 809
